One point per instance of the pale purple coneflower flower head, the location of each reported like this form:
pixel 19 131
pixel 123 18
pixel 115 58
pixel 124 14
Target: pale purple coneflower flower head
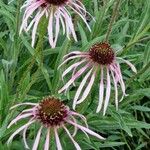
pixel 57 13
pixel 52 115
pixel 100 57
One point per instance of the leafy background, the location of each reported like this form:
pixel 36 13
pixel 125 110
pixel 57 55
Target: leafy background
pixel 28 74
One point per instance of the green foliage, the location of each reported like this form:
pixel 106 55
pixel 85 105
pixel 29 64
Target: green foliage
pixel 28 74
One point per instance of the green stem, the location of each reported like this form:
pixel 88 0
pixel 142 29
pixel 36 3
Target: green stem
pixel 114 15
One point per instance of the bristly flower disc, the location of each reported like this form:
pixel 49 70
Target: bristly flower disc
pixel 52 111
pixel 56 2
pixel 102 53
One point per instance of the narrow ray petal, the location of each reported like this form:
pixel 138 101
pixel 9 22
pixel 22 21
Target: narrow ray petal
pixel 58 144
pixel 88 88
pixel 18 130
pixel 46 146
pixel 74 142
pixel 82 84
pixel 37 139
pixel 116 89
pixel 18 118
pixel 66 86
pixel 101 91
pixel 108 89
pixel 87 130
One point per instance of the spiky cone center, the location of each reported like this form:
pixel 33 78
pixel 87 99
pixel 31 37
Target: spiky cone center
pixel 52 111
pixel 56 2
pixel 102 53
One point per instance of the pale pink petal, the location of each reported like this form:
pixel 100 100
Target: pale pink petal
pixel 35 27
pixel 81 116
pixel 82 9
pixel 58 144
pixel 70 58
pixel 32 104
pixel 108 88
pixel 84 19
pixel 50 29
pixel 75 53
pixel 128 63
pixel 79 90
pixel 121 83
pixel 86 130
pixel 27 14
pixel 18 118
pixel 87 89
pixel 74 142
pixel 29 110
pixel 24 135
pixel 63 24
pixel 101 91
pixel 46 146
pixel 37 139
pixel 69 20
pixel 57 28
pixel 71 67
pixel 18 130
pixel 116 89
pixel 66 86
pixel 75 128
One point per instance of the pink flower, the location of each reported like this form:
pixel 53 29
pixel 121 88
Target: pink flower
pixel 100 57
pixel 52 115
pixel 57 12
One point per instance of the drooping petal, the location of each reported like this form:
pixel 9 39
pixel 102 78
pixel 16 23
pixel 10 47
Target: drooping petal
pixel 70 58
pixel 116 89
pixel 74 142
pixel 57 28
pixel 88 88
pixel 121 83
pixel 128 63
pixel 50 29
pixel 84 19
pixel 35 27
pixel 18 118
pixel 18 130
pixel 82 84
pixel 101 91
pixel 81 116
pixel 86 130
pixel 75 128
pixel 46 146
pixel 37 139
pixel 108 89
pixel 24 135
pixel 71 67
pixel 58 144
pixel 66 86
pixel 32 104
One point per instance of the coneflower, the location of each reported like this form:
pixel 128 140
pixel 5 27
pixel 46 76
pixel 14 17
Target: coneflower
pixel 58 14
pixel 52 115
pixel 100 57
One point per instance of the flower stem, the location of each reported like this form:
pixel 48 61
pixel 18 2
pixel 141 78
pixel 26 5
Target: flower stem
pixel 114 15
